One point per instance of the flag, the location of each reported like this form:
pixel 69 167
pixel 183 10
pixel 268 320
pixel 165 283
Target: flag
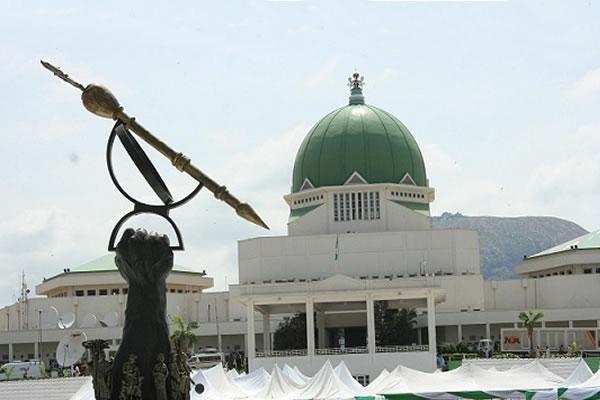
pixel 337 247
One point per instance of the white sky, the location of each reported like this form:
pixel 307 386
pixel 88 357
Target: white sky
pixel 503 98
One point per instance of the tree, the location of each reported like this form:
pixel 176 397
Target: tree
pixel 291 333
pixel 529 319
pixel 183 336
pixel 393 326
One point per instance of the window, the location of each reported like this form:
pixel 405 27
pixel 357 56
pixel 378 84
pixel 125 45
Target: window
pixel 569 272
pixel 356 206
pixel 114 291
pixel 587 270
pixel 362 379
pixel 125 290
pixel 79 293
pixel 103 292
pixel 91 292
pixel 598 270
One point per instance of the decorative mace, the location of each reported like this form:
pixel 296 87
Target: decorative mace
pixel 99 100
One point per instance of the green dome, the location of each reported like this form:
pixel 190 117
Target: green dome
pixel 359 138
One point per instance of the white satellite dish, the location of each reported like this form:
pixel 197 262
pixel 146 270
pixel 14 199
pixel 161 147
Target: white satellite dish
pixel 89 321
pixel 49 318
pixel 66 320
pixel 111 319
pixel 70 348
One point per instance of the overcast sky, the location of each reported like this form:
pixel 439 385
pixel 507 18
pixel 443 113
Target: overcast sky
pixel 502 97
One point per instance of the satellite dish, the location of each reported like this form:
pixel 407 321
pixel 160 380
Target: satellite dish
pixel 111 319
pixel 89 321
pixel 66 320
pixel 70 348
pixel 49 318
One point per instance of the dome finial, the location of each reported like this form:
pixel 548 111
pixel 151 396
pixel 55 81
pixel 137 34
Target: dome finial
pixel 356 82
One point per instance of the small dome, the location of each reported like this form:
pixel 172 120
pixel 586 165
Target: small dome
pixel 361 138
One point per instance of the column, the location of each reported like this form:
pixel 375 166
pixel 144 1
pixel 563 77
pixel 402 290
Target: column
pixel 266 332
pixel 570 324
pixel 321 329
pixel 459 333
pixel 11 353
pixel 36 350
pixel 431 322
pixel 371 344
pixel 310 327
pixel 251 331
pixel 488 331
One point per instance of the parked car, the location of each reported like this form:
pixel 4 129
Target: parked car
pixel 207 359
pixel 22 370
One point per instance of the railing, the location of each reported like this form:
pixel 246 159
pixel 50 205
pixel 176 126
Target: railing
pixel 281 353
pixel 340 350
pixel 401 349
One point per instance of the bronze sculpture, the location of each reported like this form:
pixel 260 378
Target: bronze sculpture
pixel 100 368
pixel 100 101
pixel 174 378
pixel 161 373
pixel 131 388
pixel 144 260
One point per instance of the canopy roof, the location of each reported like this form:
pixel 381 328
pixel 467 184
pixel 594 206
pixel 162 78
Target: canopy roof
pixel 589 241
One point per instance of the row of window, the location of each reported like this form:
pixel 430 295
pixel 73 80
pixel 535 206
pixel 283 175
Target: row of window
pixel 589 270
pixel 408 195
pixel 568 272
pixel 308 199
pixel 115 291
pixel 101 292
pixel 356 206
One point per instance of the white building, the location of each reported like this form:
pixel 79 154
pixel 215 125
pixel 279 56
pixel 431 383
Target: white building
pixel 359 232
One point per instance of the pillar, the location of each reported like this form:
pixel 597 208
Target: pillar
pixel 459 333
pixel 321 330
pixel 251 330
pixel 570 324
pixel 266 332
pixel 371 344
pixel 431 322
pixel 310 327
pixel 36 350
pixel 488 331
pixel 11 353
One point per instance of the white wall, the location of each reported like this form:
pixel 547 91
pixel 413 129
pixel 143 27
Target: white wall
pixel 358 254
pixel 553 292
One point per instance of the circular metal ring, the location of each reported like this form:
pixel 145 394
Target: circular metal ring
pixel 109 147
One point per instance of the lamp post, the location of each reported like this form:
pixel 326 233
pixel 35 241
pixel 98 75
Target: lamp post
pixel 40 343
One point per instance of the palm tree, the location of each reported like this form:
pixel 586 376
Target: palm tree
pixel 529 319
pixel 183 337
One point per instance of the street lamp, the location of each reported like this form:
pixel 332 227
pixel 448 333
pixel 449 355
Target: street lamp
pixel 41 342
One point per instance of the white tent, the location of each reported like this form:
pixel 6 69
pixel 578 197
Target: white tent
pixel 528 381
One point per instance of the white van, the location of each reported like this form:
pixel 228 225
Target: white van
pixel 21 370
pixel 209 358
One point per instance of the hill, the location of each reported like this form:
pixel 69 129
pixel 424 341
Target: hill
pixel 505 240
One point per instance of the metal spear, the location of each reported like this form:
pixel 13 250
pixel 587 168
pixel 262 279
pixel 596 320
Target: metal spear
pixel 100 101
